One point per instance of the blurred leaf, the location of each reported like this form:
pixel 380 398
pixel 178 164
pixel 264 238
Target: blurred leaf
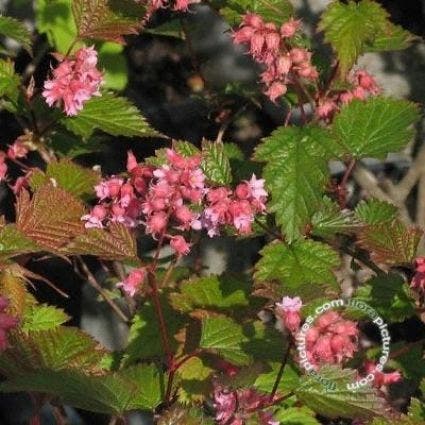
pixel 303 268
pixel 9 80
pixel 170 28
pixel 114 64
pixel 12 28
pixel 111 114
pixel 375 127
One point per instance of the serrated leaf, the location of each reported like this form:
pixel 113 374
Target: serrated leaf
pixel 111 114
pixel 215 163
pixel 55 349
pixel 374 211
pixel 73 178
pixel 13 242
pixel 114 243
pixel 375 127
pixel 295 416
pixel 107 20
pixel 296 174
pixel 12 28
pixel 331 220
pixel 52 218
pixel 223 336
pixel 114 393
pixel 276 11
pixel 54 18
pixel 43 317
pixel 9 80
pixel 13 287
pixel 211 293
pixel 354 28
pixel 339 401
pixel 390 242
pixel 389 296
pixel 305 266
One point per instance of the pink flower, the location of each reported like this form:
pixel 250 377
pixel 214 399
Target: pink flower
pixel 287 311
pixel 131 284
pixel 381 378
pixel 299 55
pixel 288 29
pixel 131 161
pixel 275 90
pixel 95 218
pixel 224 404
pixel 17 150
pixel 179 245
pixel 20 183
pixel 74 82
pixel 157 223
pixel 418 281
pixel 3 170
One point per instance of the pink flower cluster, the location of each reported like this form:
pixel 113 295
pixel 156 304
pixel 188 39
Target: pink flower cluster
pixel 271 47
pixel 236 407
pixel 14 153
pixel 418 281
pixel 7 322
pixel 364 85
pixel 132 283
pixel 174 198
pixel 288 313
pixel 331 340
pixel 381 379
pixel 74 81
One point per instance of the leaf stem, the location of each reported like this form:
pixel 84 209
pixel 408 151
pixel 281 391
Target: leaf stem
pixel 281 369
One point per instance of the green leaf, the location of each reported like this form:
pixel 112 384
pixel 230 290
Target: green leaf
pixel 215 163
pixel 55 349
pixel 107 20
pixel 417 409
pixel 374 211
pixel 9 80
pixel 289 382
pixel 296 174
pixel 111 114
pixel 73 178
pixel 114 65
pixel 304 266
pixel 410 362
pixel 211 293
pixel 12 28
pixel 331 220
pixel 114 393
pixel 339 401
pixel 43 317
pixel 354 28
pixel 13 242
pixel 114 243
pixel 223 336
pixel 54 18
pixel 375 127
pixel 390 242
pixel 296 416
pixel 276 11
pixel 388 295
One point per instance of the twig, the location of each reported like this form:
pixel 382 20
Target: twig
pixel 94 283
pixel 281 370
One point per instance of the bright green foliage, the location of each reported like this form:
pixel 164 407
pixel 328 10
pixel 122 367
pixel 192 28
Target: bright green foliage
pixel 211 293
pixel 391 243
pixel 296 416
pixel 113 61
pixel 43 317
pixel 296 174
pixel 107 20
pixel 54 18
pixel 355 28
pixel 13 242
pixel 388 295
pixel 374 211
pixel 114 393
pixel 417 409
pixel 276 11
pixel 330 220
pixel 115 243
pixel 375 127
pixel 303 268
pixel 15 29
pixel 215 163
pixel 225 337
pixel 73 178
pixel 9 81
pixel 111 114
pixel 339 401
